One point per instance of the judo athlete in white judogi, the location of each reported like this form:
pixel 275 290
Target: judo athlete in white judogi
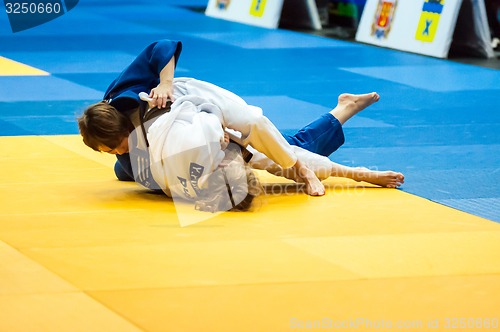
pixel 192 159
pixel 106 125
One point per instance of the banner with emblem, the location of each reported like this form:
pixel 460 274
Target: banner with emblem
pixel 264 13
pixel 418 26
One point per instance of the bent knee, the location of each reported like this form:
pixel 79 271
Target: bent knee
pixel 121 174
pixel 259 121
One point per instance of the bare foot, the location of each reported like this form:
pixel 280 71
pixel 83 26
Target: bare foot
pixel 349 105
pixel 314 187
pixel 358 102
pixel 388 179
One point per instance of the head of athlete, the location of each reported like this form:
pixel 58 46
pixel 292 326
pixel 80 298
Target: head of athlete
pixel 104 129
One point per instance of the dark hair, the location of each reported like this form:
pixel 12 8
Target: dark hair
pixel 102 124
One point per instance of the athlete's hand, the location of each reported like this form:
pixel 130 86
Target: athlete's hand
pixel 161 94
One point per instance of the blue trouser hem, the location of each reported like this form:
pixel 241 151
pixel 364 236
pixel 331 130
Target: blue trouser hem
pixel 323 136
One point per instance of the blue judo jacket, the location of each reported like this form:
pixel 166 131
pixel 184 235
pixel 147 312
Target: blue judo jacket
pixel 142 75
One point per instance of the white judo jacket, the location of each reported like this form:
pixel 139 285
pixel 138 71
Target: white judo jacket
pixel 186 146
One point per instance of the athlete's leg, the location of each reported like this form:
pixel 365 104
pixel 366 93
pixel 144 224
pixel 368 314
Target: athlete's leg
pixel 350 105
pixel 255 128
pixel 388 179
pixel 324 167
pixel 123 168
pixel 325 135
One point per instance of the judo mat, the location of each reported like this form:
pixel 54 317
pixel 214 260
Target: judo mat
pixel 81 251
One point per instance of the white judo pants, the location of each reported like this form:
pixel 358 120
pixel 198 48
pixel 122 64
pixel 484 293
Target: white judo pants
pixel 256 129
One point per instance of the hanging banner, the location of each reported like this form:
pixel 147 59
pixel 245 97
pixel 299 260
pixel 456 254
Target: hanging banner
pixel 418 26
pixel 263 13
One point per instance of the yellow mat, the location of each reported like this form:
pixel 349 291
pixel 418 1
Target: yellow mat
pixel 13 68
pixel 81 251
